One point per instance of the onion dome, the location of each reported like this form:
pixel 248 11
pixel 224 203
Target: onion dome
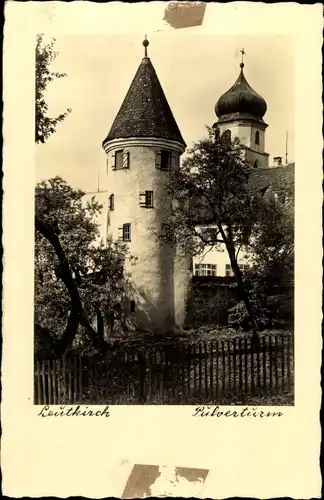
pixel 145 111
pixel 241 102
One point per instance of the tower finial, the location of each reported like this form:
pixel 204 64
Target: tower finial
pixel 145 45
pixel 243 54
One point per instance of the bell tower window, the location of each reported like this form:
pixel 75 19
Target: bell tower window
pixel 257 138
pixel 227 135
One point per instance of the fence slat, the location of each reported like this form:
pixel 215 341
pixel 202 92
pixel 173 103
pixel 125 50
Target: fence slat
pixel 194 368
pixel 38 393
pixel 211 371
pixel 258 361
pixel 288 363
pixel 234 366
pixel 217 369
pixel 270 366
pixel 200 367
pixel 54 375
pixel 188 371
pixel 223 367
pixel 276 363
pixel 240 366
pixel 264 365
pixel 246 372
pixel 282 365
pixel 49 382
pixel 206 369
pixel 75 380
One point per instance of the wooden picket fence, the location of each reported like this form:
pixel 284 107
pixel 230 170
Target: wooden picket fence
pixel 207 372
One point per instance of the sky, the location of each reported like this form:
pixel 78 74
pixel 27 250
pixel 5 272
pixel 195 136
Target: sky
pixel 194 70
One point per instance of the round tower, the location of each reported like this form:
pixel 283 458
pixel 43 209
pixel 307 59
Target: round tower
pixel 142 146
pixel 240 113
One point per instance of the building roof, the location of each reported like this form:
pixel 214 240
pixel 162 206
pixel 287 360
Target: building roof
pixel 145 111
pixel 278 179
pixel 240 102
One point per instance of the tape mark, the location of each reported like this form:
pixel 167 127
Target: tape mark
pixel 184 14
pixel 160 480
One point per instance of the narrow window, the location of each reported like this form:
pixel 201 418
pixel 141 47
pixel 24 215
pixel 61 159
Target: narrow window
pixel 111 202
pixel 257 138
pixel 255 164
pixel 163 159
pixel 124 232
pixel 149 199
pixel 121 159
pixel 228 270
pixel 146 199
pixel 132 306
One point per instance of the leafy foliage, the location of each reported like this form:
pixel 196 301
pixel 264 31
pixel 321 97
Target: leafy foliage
pixel 272 264
pixel 213 202
pixel 97 267
pixel 45 55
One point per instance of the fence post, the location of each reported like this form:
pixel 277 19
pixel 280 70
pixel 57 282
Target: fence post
pixel 37 395
pixel 217 369
pixel 264 365
pixel 142 370
pixel 234 366
pixel 200 367
pixel 288 363
pixel 252 351
pixel 194 368
pixel 223 367
pixel 211 374
pixel 270 365
pixel 188 371
pixel 49 382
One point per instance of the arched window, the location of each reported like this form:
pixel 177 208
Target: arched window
pixel 255 164
pixel 227 135
pixel 257 137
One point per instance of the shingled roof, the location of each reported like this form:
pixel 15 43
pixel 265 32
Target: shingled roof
pixel 145 111
pixel 278 179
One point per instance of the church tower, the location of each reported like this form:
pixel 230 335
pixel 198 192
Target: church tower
pixel 142 146
pixel 240 113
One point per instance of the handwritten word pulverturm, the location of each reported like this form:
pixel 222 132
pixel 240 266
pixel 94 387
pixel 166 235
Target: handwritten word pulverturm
pixel 71 411
pixel 216 411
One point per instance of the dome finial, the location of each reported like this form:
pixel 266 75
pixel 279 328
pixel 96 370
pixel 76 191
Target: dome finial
pixel 243 54
pixel 145 45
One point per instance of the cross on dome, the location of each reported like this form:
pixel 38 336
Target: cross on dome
pixel 243 54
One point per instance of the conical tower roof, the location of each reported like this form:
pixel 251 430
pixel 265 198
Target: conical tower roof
pixel 145 111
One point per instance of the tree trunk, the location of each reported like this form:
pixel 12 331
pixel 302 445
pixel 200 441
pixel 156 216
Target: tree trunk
pixel 100 324
pixel 241 287
pixel 65 343
pixel 64 273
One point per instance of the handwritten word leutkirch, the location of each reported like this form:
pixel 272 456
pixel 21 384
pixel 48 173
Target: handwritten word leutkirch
pixel 216 411
pixel 72 411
